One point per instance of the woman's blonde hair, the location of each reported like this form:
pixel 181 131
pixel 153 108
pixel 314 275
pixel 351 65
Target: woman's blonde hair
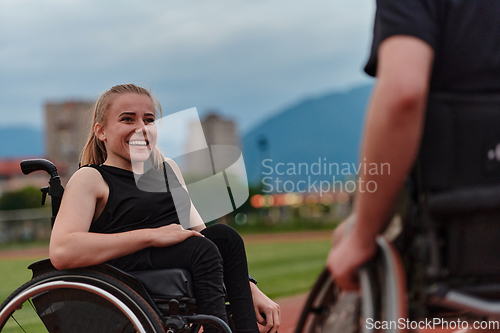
pixel 94 151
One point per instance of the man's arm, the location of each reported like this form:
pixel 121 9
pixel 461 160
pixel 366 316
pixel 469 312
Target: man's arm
pixel 392 134
pixel 394 126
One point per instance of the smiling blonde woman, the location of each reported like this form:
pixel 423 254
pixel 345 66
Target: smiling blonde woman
pixel 105 217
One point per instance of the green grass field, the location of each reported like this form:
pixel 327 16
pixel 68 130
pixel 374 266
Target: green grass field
pixel 286 269
pixel 14 273
pixel 282 269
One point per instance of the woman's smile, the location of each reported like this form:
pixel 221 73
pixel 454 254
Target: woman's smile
pixel 137 143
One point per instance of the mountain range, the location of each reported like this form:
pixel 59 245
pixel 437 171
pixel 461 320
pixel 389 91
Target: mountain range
pixel 21 142
pixel 316 133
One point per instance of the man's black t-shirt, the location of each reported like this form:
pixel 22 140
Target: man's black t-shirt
pixel 465 36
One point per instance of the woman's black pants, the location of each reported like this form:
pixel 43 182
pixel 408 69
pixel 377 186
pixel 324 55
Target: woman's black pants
pixel 217 257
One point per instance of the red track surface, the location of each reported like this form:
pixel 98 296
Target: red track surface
pixel 290 312
pixel 34 253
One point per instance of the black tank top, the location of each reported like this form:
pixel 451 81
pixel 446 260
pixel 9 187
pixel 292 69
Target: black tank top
pixel 130 208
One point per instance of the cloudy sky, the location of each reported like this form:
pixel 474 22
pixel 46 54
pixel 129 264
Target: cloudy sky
pixel 245 58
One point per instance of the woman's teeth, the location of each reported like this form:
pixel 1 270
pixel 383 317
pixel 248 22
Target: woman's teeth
pixel 138 143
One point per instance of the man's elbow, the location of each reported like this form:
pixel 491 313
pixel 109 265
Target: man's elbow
pixel 402 101
pixel 410 98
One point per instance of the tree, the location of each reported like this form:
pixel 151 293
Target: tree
pixel 28 197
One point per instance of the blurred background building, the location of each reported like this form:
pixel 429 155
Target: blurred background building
pixel 66 131
pixel 21 216
pixel 217 130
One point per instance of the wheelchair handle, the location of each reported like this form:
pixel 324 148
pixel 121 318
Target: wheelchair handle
pixel 29 166
pixel 55 189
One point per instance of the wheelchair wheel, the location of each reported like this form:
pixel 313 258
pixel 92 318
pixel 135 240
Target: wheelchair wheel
pixel 317 304
pixel 77 302
pixel 382 298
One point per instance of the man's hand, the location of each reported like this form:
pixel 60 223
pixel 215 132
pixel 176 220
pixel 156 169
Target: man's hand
pixel 346 257
pixel 270 309
pixel 343 229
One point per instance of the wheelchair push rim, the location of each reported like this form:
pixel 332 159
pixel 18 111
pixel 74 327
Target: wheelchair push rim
pixel 44 287
pixel 48 304
pixel 322 294
pixel 382 296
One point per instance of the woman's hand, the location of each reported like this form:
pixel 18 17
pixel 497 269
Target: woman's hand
pixel 170 235
pixel 270 309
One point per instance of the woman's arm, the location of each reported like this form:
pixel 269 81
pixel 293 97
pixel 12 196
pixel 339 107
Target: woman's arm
pixel 72 245
pixel 265 305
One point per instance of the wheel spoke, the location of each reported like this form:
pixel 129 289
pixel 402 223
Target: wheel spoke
pixel 24 318
pixel 18 323
pixel 32 306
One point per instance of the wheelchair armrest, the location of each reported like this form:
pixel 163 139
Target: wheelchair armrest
pixel 464 201
pixel 452 298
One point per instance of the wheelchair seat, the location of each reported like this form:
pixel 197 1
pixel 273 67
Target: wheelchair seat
pixel 158 287
pixel 164 284
pixel 457 203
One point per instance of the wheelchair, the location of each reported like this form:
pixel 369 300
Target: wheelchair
pixel 444 266
pixel 381 297
pixel 100 298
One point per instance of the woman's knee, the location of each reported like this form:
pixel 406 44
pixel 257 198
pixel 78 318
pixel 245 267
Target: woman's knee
pixel 204 247
pixel 226 238
pixel 223 231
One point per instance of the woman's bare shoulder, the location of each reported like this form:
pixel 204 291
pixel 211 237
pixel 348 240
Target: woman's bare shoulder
pixel 173 165
pixel 171 162
pixel 176 169
pixel 88 180
pixel 86 173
